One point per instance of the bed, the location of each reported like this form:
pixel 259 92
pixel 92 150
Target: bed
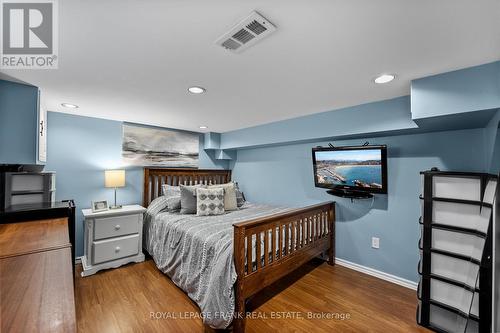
pixel 221 261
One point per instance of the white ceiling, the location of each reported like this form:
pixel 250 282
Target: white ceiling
pixel 133 60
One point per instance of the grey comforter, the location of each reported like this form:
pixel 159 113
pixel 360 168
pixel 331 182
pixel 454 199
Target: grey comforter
pixel 196 252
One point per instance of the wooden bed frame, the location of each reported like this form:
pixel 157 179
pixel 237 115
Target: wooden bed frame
pixel 316 223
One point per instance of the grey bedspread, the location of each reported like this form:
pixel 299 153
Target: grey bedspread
pixel 196 252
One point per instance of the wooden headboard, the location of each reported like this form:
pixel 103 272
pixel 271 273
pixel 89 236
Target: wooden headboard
pixel 154 178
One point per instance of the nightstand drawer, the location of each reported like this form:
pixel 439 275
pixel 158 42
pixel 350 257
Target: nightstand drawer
pixel 112 249
pixel 114 226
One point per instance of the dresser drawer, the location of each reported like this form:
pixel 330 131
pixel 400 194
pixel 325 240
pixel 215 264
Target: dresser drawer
pixel 112 249
pixel 114 226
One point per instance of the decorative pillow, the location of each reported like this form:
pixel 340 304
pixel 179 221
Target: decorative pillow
pixel 188 198
pixel 210 201
pixel 174 204
pixel 170 191
pixel 229 195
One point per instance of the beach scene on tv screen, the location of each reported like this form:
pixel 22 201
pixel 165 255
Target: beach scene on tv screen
pixel 356 168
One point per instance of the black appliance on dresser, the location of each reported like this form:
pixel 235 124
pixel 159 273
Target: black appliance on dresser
pixel 26 187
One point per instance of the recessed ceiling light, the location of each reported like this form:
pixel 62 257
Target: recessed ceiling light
pixel 69 105
pixel 203 127
pixel 196 90
pixel 384 78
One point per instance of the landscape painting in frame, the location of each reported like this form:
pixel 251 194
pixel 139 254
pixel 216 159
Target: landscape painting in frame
pixel 148 146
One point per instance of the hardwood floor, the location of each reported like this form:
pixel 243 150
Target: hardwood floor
pixel 122 300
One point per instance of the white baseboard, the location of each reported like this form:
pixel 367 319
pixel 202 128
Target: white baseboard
pixel 378 274
pixel 78 260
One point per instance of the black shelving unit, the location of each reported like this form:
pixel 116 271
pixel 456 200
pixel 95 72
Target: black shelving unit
pixel 439 309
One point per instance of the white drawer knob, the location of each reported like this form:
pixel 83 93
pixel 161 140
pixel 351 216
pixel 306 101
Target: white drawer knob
pixel 117 227
pixel 117 249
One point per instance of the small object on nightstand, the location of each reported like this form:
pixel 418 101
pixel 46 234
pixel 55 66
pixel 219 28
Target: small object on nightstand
pixel 114 179
pixel 112 238
pixel 99 206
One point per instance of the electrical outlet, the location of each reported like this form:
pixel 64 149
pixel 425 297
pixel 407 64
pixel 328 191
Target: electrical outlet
pixel 375 242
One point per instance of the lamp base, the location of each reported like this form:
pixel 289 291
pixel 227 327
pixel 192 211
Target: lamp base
pixel 115 207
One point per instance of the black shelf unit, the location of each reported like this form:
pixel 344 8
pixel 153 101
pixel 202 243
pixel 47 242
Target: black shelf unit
pixel 483 322
pixel 351 194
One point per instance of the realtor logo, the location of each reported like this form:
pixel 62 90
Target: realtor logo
pixel 28 34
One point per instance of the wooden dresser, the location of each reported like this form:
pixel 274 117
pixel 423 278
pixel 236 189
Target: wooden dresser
pixel 36 277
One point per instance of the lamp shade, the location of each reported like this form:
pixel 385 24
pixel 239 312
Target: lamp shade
pixel 114 178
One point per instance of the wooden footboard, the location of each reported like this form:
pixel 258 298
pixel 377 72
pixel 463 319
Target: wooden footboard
pixel 284 242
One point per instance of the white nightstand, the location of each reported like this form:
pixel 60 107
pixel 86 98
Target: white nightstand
pixel 112 238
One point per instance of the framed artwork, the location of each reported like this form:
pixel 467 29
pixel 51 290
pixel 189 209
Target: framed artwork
pixel 99 206
pixel 150 146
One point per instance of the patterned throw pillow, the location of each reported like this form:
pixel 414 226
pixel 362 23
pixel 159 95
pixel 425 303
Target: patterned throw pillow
pixel 210 201
pixel 230 202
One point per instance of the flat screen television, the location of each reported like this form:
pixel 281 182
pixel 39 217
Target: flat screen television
pixel 356 168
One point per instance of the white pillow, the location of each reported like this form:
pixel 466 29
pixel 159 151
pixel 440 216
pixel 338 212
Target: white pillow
pixel 230 202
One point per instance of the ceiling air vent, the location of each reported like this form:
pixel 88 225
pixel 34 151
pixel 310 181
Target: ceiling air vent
pixel 246 33
pixel 256 27
pixel 231 44
pixel 243 36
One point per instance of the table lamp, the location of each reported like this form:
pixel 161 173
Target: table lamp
pixel 114 179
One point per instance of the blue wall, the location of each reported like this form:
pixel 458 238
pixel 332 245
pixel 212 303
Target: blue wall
pixel 466 90
pixel 491 142
pixel 377 117
pixel 495 157
pixel 80 149
pixel 283 175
